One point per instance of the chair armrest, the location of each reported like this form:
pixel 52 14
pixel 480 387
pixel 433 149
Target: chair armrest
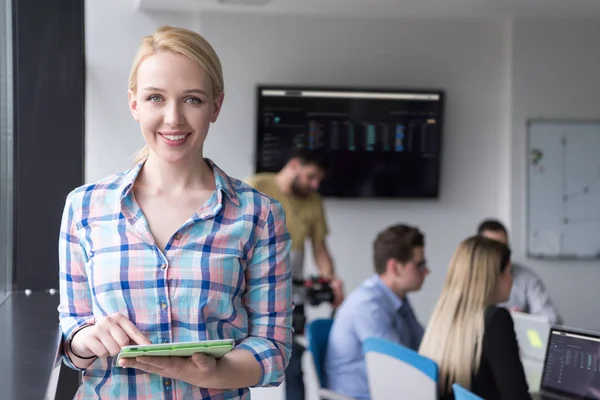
pixel 301 340
pixel 327 394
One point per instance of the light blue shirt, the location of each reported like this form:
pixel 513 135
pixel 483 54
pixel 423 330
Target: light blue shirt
pixel 372 310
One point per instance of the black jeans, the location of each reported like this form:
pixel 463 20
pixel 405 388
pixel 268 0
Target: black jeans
pixel 294 378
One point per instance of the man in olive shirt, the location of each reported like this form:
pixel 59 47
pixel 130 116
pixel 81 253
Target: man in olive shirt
pixel 296 188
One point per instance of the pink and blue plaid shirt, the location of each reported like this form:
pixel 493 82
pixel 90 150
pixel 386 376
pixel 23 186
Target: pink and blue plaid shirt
pixel 224 275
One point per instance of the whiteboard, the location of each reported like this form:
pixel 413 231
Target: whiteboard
pixel 563 189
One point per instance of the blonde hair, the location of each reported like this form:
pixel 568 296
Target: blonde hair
pixel 454 335
pixel 184 42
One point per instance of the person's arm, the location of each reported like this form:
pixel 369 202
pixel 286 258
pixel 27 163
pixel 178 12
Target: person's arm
pixel 539 300
pixel 323 258
pixel 75 308
pixel 371 320
pixel 501 350
pixel 268 301
pixel 319 231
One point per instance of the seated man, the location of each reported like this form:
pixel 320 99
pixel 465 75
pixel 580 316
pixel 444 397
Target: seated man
pixel 377 308
pixel 528 293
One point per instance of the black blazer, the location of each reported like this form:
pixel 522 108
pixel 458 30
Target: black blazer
pixel 500 375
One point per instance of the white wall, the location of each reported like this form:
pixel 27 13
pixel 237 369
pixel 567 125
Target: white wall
pixel 555 75
pixel 113 31
pixel 469 63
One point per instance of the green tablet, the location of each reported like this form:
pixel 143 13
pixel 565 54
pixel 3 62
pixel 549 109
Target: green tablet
pixel 214 348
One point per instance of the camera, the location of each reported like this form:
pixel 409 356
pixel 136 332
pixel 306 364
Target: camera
pixel 317 290
pixel 314 291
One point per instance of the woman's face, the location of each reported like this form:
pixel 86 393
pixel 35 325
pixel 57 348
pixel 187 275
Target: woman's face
pixel 174 105
pixel 504 284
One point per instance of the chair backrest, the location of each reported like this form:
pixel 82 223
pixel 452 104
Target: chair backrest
pixel 460 393
pixel 392 368
pixel 318 337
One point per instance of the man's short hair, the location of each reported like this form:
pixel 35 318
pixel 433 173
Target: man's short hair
pixel 491 225
pixel 310 157
pixel 396 242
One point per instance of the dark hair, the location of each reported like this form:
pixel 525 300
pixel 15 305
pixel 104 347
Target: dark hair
pixel 396 242
pixel 310 157
pixel 491 225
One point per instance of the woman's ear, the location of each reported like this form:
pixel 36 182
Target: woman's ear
pixel 218 104
pixel 133 105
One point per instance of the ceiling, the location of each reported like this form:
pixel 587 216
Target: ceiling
pixel 388 8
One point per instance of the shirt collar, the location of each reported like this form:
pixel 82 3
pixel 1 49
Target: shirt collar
pixel 394 300
pixel 222 181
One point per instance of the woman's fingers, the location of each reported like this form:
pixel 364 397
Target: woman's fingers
pixel 110 334
pixel 119 335
pixel 96 347
pixel 132 331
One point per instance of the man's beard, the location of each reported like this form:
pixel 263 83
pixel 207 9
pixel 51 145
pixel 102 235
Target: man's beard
pixel 298 190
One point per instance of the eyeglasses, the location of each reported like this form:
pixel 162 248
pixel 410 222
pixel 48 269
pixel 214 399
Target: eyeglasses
pixel 421 265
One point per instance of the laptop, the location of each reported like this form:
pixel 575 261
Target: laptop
pixel 532 334
pixel 572 366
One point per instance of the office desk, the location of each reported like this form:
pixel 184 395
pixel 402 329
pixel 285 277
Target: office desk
pixel 29 343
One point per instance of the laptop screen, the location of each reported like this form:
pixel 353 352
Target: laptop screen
pixel 572 364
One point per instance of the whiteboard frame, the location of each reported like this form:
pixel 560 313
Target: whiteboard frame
pixel 529 122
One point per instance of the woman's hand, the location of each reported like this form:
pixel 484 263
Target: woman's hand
pixel 195 370
pixel 106 337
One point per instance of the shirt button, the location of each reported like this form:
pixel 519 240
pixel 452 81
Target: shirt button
pixel 164 266
pixel 167 382
pixel 163 305
pixel 177 236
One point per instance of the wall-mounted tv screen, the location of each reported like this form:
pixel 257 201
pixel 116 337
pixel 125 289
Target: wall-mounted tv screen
pixel 378 143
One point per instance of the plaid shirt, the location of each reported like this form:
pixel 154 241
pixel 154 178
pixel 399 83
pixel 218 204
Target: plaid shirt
pixel 224 275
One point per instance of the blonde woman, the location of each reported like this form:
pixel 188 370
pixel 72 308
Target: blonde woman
pixel 174 250
pixel 472 340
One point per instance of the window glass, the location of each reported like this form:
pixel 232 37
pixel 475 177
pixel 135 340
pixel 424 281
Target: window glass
pixel 6 148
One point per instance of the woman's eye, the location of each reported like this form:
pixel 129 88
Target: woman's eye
pixel 154 99
pixel 193 100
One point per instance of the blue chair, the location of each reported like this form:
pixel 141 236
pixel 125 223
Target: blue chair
pixel 460 393
pixel 318 337
pixel 393 368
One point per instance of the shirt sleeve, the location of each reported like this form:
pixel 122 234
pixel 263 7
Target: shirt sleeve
pixel 371 320
pixel 319 227
pixel 539 301
pixel 75 307
pixel 268 299
pixel 501 350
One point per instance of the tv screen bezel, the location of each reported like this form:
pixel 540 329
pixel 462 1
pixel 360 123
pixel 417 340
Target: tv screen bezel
pixel 352 89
